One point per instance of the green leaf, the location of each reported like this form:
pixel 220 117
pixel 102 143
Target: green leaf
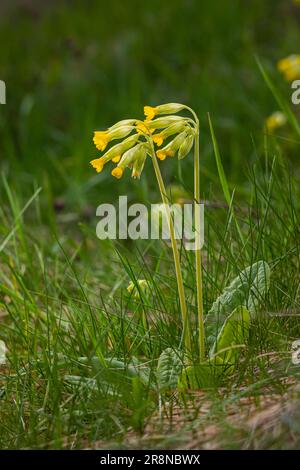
pixel 246 290
pixel 234 334
pixel 199 376
pixel 169 367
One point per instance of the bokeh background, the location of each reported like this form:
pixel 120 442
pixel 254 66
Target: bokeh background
pixel 74 66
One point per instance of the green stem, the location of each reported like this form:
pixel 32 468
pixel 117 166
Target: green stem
pixel 201 331
pixel 185 322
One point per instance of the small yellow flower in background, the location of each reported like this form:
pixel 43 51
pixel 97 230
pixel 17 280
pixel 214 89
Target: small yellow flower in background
pixel 275 120
pixel 141 286
pixel 290 67
pixel 296 2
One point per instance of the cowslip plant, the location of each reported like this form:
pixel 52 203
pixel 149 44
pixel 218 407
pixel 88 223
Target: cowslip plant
pixel 139 140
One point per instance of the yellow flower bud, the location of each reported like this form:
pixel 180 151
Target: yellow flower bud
pixel 163 154
pixel 139 162
pixel 186 146
pixel 120 132
pixel 116 159
pixel 117 172
pixel 161 123
pixel 169 108
pixel 175 128
pixel 124 122
pixel 133 158
pixel 170 149
pixel 120 148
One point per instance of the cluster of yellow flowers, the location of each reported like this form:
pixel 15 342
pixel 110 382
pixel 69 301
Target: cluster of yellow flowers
pixel 139 138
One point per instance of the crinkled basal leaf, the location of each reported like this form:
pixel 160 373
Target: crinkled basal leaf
pixel 132 369
pixel 247 290
pixel 233 335
pixel 169 367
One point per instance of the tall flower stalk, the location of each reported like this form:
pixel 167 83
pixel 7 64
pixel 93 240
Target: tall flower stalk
pixel 181 134
pixel 180 286
pixel 201 334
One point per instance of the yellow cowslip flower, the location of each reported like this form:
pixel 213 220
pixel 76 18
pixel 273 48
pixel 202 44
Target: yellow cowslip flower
pixel 135 289
pixel 170 149
pixel 102 138
pixel 290 67
pixel 275 120
pixel 169 108
pixel 158 139
pixel 142 128
pixel 114 153
pixel 98 164
pixel 133 158
pixel 164 153
pixel 175 128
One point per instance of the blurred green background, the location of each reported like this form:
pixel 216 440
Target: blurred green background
pixel 71 67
